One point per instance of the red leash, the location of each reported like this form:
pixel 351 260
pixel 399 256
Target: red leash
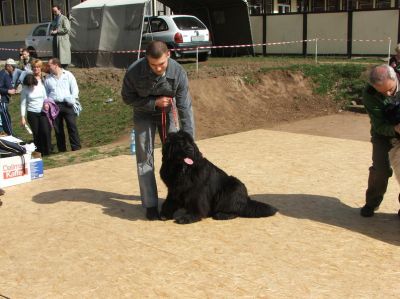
pixel 164 120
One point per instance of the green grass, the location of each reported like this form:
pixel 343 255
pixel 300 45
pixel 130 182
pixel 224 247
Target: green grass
pixel 342 81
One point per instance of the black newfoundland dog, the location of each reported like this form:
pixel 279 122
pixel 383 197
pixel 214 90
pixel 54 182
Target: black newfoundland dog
pixel 199 188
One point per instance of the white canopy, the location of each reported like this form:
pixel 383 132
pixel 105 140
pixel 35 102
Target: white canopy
pixel 100 28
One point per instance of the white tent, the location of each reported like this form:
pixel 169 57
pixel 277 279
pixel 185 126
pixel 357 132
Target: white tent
pixel 103 32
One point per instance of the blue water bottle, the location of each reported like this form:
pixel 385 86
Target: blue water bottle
pixel 133 144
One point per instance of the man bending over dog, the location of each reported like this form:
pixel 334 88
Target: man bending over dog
pixel 151 85
pixel 382 89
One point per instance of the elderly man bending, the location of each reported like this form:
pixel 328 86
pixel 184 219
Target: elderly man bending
pixel 382 89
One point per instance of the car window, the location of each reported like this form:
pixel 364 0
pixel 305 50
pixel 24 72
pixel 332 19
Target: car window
pixel 157 25
pixel 188 23
pixel 40 30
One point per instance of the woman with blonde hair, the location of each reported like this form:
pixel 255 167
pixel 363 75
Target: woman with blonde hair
pixel 37 69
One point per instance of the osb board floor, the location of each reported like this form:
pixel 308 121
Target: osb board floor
pixel 80 231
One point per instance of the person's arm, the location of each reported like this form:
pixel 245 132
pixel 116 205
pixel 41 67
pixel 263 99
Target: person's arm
pixel 131 97
pixel 7 87
pixel 23 105
pixel 374 108
pixel 65 26
pixel 4 86
pixel 74 89
pixel 184 104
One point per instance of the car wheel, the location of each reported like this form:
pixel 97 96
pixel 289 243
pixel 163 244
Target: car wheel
pixel 203 56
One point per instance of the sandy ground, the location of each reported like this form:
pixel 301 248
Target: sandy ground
pixel 80 231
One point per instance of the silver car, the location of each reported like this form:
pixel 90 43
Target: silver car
pixel 39 42
pixel 182 33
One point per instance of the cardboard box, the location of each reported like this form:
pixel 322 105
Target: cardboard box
pixel 36 168
pixel 12 171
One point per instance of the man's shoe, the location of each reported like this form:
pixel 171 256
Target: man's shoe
pixel 152 214
pixel 368 211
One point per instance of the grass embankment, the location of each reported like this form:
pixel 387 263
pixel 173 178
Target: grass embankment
pixel 103 122
pixel 344 82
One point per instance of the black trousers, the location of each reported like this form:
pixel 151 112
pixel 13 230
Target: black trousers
pixel 68 115
pixel 379 172
pixel 41 131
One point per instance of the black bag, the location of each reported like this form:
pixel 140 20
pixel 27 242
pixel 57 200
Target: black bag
pixel 11 149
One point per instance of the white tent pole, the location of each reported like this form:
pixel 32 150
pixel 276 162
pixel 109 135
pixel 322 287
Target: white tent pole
pixel 390 47
pixel 141 31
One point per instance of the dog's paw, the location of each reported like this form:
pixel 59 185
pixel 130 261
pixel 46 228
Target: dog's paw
pixel 164 217
pixel 186 219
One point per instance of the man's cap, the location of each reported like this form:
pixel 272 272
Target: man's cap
pixel 11 61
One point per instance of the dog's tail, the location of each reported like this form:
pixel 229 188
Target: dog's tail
pixel 256 209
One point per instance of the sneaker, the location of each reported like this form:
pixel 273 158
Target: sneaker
pixel 152 214
pixel 368 211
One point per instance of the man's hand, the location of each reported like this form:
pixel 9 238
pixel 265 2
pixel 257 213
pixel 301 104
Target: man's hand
pixel 12 91
pixel 397 128
pixel 23 121
pixel 162 102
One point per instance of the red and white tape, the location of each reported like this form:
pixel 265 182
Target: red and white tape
pixel 215 47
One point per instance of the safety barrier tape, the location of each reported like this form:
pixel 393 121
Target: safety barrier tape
pixel 216 47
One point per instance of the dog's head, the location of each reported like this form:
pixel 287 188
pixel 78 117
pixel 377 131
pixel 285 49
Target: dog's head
pixel 180 147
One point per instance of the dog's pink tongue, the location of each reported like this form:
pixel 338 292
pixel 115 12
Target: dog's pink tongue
pixel 188 161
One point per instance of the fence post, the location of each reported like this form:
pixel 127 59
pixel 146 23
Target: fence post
pixel 390 46
pixel 197 60
pixel 316 50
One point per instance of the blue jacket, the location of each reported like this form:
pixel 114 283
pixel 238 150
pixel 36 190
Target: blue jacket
pixel 5 86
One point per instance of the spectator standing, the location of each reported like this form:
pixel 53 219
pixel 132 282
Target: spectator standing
pixel 33 95
pixel 25 60
pixel 6 91
pixel 394 61
pixel 61 86
pixel 60 30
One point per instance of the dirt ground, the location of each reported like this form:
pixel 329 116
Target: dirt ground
pixel 80 231
pixel 224 102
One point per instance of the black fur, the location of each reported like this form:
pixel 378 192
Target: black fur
pixel 202 189
pixel 392 112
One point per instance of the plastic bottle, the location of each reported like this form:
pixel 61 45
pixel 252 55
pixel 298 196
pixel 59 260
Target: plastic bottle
pixel 133 144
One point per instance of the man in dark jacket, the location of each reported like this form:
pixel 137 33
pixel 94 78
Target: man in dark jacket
pixel 150 85
pixel 382 89
pixel 6 90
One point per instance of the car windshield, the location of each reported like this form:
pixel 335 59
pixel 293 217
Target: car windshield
pixel 188 23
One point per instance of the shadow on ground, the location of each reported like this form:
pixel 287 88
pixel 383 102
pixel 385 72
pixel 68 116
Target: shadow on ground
pixel 330 210
pixel 113 203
